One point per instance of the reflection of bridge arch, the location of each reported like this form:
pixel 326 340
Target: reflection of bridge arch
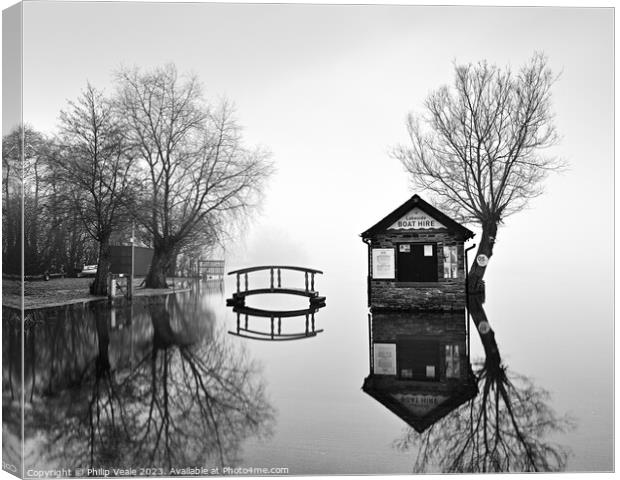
pixel 275 284
pixel 275 332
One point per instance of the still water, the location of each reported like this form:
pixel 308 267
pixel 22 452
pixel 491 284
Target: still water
pixel 160 385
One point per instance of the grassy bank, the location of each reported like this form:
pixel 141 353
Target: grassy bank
pixel 63 291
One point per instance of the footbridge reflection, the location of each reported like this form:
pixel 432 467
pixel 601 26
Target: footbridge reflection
pixel 267 324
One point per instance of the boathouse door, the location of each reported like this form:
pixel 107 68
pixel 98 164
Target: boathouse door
pixel 417 262
pixel 417 359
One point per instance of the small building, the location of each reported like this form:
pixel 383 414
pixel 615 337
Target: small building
pixel 127 260
pixel 416 259
pixel 419 365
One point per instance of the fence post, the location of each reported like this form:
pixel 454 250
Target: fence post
pixel 111 286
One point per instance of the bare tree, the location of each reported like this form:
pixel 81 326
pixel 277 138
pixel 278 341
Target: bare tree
pixel 13 145
pixel 95 163
pixel 481 151
pixel 53 236
pixel 24 159
pixel 506 428
pixel 196 168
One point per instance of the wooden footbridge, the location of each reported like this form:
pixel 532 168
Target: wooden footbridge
pixel 275 284
pixel 275 332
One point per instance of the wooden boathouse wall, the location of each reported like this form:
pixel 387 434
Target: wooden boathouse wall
pixel 439 291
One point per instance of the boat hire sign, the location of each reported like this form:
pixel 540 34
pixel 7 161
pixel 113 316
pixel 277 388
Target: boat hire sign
pixel 416 219
pixel 419 404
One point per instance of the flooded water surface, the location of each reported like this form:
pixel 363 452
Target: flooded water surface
pixel 161 385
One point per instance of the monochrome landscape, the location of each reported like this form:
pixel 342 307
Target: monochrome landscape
pixel 295 239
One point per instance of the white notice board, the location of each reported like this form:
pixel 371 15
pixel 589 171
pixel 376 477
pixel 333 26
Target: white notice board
pixel 383 263
pixel 384 358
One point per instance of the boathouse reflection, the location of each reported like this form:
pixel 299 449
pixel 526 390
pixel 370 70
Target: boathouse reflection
pixel 149 384
pixel 508 427
pixel 419 365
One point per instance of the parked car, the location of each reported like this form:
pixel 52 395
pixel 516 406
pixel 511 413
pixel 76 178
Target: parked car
pixel 88 271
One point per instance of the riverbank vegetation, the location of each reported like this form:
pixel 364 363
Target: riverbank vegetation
pixel 154 156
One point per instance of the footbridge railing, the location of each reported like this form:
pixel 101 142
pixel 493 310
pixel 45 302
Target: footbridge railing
pixel 275 283
pixel 275 332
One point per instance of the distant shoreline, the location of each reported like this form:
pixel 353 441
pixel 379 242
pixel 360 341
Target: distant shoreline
pixel 69 291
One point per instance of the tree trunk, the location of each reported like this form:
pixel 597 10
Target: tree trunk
pixel 100 284
pixel 14 262
pixel 162 255
pixel 172 266
pixel 163 335
pixel 102 363
pixel 76 247
pixel 477 271
pixel 35 259
pixel 491 350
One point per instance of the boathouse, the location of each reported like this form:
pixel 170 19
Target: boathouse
pixel 416 259
pixel 419 364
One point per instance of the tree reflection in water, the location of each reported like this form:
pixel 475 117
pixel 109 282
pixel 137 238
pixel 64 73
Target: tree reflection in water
pixel 506 428
pixel 167 391
pixel 201 397
pixel 11 388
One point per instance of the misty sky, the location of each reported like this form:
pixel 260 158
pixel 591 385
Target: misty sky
pixel 327 90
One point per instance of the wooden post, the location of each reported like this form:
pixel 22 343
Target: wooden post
pixel 271 327
pixel 370 346
pixel 306 275
pixel 279 279
pixel 238 282
pixel 312 281
pixel 111 286
pixel 306 324
pixel 246 282
pixel 271 277
pixel 131 274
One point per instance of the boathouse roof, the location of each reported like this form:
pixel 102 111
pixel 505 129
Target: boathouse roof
pixel 419 421
pixel 417 202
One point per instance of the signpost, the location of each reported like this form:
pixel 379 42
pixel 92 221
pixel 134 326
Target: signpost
pixel 131 274
pixel 482 260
